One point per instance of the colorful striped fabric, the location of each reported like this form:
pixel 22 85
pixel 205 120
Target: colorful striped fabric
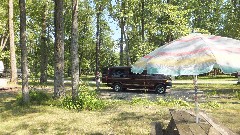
pixel 192 55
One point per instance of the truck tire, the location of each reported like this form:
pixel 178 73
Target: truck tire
pixel 117 87
pixel 160 89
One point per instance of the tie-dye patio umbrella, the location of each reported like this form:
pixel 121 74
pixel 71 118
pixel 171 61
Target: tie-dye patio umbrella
pixel 192 55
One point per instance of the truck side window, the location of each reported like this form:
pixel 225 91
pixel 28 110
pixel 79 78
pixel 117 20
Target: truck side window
pixel 143 73
pixel 118 73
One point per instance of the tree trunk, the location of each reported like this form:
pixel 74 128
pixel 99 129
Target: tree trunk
pixel 98 38
pixel 127 49
pixel 122 23
pixel 74 50
pixel 144 47
pixel 44 47
pixel 4 40
pixel 24 53
pixel 12 46
pixel 121 41
pixel 142 20
pixel 59 50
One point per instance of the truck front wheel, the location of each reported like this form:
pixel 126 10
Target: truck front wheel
pixel 160 89
pixel 117 87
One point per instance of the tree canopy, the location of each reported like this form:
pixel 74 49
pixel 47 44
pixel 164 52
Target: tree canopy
pixel 142 25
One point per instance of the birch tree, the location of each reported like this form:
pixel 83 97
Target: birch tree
pixel 12 45
pixel 44 47
pixel 74 50
pixel 59 50
pixel 24 52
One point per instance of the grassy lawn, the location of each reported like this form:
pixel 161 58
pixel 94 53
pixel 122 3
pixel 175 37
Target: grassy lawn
pixel 119 117
pixel 210 77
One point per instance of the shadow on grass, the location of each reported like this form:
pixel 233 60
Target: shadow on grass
pixel 206 77
pixel 137 91
pixel 10 111
pixel 9 106
pixel 128 118
pixel 94 134
pixel 37 83
pixel 222 77
pixel 228 88
pixel 123 116
pixel 39 128
pixel 67 82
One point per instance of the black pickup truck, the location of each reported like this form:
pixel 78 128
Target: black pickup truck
pixel 121 78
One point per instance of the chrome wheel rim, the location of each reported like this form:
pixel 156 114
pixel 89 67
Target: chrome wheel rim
pixel 160 89
pixel 117 87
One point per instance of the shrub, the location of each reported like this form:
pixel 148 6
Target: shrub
pixel 181 102
pixel 138 100
pixel 212 93
pixel 172 102
pixel 237 95
pixel 86 100
pixel 162 102
pixel 211 105
pixel 36 97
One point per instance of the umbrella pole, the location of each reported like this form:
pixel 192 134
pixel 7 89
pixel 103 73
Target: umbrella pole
pixel 196 98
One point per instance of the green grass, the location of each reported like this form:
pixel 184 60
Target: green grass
pixel 206 86
pixel 209 77
pixel 119 117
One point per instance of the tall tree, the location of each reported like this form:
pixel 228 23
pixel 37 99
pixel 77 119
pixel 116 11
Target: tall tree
pixel 3 40
pixel 74 50
pixel 4 32
pixel 24 52
pixel 231 19
pixel 99 11
pixel 119 11
pixel 12 46
pixel 59 50
pixel 142 20
pixel 122 25
pixel 44 47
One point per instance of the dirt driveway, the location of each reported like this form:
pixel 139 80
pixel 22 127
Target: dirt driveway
pixel 187 95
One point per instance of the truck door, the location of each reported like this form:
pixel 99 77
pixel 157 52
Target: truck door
pixel 105 75
pixel 137 80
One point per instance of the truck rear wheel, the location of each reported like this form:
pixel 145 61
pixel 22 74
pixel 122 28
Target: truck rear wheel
pixel 160 89
pixel 117 87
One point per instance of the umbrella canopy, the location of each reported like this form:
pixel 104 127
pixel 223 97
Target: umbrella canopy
pixel 192 55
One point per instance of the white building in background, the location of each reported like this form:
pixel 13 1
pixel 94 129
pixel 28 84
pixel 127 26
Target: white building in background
pixel 1 69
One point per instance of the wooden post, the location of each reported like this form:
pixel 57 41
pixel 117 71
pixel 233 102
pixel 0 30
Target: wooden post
pixel 196 98
pixel 156 128
pixel 171 126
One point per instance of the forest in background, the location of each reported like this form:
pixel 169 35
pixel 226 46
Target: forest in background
pixel 62 39
pixel 144 25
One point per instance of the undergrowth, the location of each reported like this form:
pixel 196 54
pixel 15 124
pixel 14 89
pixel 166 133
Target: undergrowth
pixel 168 102
pixel 210 105
pixel 237 94
pixel 86 100
pixel 36 97
pixel 173 102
